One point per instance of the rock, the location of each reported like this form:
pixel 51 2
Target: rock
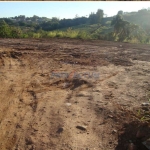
pixel 30 147
pixel 18 126
pixel 145 104
pixel 28 141
pixel 80 95
pixel 60 130
pixel 83 128
pixel 66 85
pixel 68 104
pixel 110 116
pixel 114 131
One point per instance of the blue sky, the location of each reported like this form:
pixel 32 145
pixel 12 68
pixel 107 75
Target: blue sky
pixel 67 9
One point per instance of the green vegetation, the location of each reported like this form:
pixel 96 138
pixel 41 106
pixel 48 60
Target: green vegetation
pixel 126 31
pixel 7 31
pixel 125 27
pixel 143 116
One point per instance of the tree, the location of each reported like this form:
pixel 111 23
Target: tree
pixel 16 32
pixel 124 30
pixel 99 15
pixel 105 15
pixel 142 11
pixel 120 12
pixel 118 23
pixel 92 18
pixel 96 18
pixel 76 16
pixel 4 29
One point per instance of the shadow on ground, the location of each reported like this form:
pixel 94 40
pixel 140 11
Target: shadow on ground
pixel 132 135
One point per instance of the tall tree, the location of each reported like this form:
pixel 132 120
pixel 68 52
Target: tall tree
pixel 5 30
pixel 96 18
pixel 124 30
pixel 120 12
pixel 92 18
pixel 99 15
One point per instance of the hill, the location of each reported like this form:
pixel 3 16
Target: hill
pixel 95 26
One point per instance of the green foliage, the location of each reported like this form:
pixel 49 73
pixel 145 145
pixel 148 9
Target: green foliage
pixel 69 33
pixel 15 32
pixel 92 27
pixel 36 35
pixel 143 116
pixel 126 31
pixel 52 34
pixel 4 30
pixel 141 18
pixel 120 12
pixel 99 15
pixel 83 35
pixel 96 18
pixel 108 23
pixel 7 31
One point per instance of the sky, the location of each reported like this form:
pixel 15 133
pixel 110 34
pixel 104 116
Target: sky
pixel 68 9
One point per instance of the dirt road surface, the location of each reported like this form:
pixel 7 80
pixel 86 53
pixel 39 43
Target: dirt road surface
pixel 62 94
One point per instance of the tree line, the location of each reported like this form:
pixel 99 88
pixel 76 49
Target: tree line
pixel 54 23
pixel 122 27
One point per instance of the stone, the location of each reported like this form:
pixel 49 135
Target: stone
pixel 68 104
pixel 110 116
pixel 83 128
pixel 60 130
pixel 114 131
pixel 145 104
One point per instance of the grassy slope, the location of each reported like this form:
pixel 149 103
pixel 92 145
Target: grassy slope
pixel 95 28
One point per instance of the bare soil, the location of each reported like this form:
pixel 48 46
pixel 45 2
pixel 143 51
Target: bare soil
pixel 63 94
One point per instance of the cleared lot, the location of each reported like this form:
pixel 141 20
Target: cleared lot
pixel 64 94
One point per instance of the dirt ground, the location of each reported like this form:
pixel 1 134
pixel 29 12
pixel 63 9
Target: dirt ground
pixel 63 94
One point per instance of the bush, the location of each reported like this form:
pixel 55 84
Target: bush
pixel 51 34
pixel 36 35
pixel 5 31
pixel 16 32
